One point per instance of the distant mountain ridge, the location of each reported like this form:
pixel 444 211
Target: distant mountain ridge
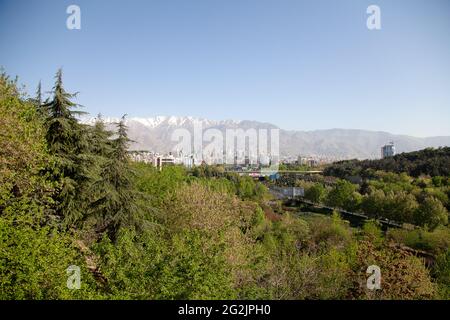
pixel 154 133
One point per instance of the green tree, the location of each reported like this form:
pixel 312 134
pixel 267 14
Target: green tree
pixel 441 271
pixel 245 188
pixel 116 202
pixel 33 263
pixel 373 203
pixel 316 193
pixel 342 194
pixel 100 138
pixel 66 140
pixel 34 256
pixel 431 213
pixel 371 231
pixel 39 95
pixel 400 207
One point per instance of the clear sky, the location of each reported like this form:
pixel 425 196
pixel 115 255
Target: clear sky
pixel 303 65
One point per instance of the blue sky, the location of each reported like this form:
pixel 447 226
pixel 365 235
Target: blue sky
pixel 298 64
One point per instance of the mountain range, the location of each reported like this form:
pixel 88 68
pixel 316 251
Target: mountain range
pixel 154 134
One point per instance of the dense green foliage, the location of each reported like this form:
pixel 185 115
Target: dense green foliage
pixel 69 195
pixel 420 201
pixel 432 162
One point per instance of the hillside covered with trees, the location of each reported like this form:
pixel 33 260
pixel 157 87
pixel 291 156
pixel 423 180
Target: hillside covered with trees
pixel 70 196
pixel 431 162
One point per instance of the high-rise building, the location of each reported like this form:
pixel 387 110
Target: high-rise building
pixel 388 150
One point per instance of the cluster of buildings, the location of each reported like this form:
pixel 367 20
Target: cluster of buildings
pixel 158 160
pixel 239 161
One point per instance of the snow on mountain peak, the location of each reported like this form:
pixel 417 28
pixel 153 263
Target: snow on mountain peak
pixel 154 122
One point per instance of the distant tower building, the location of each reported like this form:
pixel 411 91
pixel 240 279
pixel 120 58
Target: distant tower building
pixel 388 150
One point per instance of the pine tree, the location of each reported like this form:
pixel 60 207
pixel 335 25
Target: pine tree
pixel 64 133
pixel 122 142
pixel 100 139
pixel 116 203
pixel 39 95
pixel 66 140
pixel 38 102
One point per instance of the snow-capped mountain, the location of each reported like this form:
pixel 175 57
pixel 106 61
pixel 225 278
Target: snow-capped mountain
pixel 165 121
pixel 154 133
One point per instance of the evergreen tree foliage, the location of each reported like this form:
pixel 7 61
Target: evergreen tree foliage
pixel 100 139
pixel 66 140
pixel 116 194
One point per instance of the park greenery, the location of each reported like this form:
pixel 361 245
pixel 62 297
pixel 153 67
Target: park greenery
pixel 420 201
pixel 430 162
pixel 69 195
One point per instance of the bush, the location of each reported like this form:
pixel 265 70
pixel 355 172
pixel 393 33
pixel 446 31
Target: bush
pixel 33 263
pixel 431 213
pixel 436 241
pixel 316 193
